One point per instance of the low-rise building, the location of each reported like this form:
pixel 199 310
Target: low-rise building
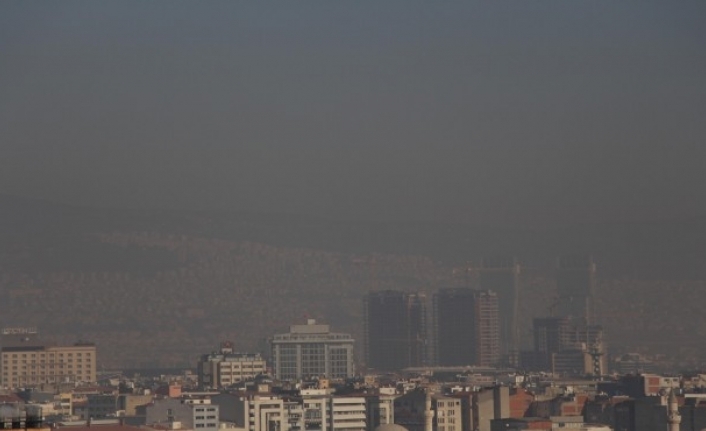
pixel 225 368
pixel 198 414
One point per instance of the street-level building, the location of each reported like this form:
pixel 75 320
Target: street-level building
pixel 198 414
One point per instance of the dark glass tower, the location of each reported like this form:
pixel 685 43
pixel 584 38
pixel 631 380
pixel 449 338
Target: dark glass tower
pixel 395 330
pixel 466 329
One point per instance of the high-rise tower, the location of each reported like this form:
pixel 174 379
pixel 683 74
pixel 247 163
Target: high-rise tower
pixel 501 275
pixel 466 329
pixel 395 330
pixel 575 288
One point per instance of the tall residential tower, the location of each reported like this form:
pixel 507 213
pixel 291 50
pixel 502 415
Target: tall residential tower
pixel 395 330
pixel 501 275
pixel 466 327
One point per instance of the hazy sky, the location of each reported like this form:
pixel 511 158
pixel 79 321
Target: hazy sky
pixel 522 112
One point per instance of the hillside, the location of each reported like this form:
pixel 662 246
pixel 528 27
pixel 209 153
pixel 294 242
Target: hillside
pixel 158 288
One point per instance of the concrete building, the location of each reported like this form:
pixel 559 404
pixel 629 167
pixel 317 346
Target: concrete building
pixel 567 348
pixel 128 404
pixel 447 414
pixel 100 406
pixel 197 413
pixel 395 330
pixel 488 405
pixel 258 412
pixel 551 335
pixel 311 410
pixel 312 350
pixel 466 327
pixel 346 414
pixel 18 415
pixel 410 409
pixel 380 408
pixel 32 365
pixel 225 368
pixel 501 274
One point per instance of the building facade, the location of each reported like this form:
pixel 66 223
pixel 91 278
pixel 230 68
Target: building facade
pixel 188 413
pixel 312 350
pixel 466 327
pixel 310 410
pixel 567 348
pixel 31 365
pixel 501 275
pixel 225 368
pixel 447 414
pixel 395 330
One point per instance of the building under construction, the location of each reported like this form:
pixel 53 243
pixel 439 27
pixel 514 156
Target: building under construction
pixel 466 327
pixel 501 274
pixel 395 334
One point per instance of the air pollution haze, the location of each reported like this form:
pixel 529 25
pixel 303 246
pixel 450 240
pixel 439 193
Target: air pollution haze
pixel 174 174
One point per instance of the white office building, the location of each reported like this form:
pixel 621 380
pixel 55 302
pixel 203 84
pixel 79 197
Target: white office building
pixel 312 350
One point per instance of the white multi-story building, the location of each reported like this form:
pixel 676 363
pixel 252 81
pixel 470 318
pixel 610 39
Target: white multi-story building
pixel 255 412
pixel 197 413
pixel 326 412
pixel 219 370
pixel 313 410
pixel 32 365
pixel 312 350
pixel 347 414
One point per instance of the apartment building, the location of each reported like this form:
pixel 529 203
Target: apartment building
pixel 225 368
pixel 31 365
pixel 198 414
pixel 311 410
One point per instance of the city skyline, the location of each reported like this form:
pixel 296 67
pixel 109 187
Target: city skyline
pixel 174 173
